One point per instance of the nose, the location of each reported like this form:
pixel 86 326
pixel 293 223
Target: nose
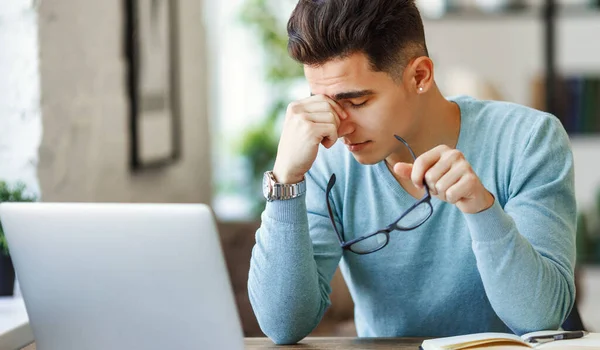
pixel 347 127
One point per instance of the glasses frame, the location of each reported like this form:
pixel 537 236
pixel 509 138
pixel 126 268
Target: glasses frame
pixel 347 245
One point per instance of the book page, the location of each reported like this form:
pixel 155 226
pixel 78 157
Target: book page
pixel 471 341
pixel 499 346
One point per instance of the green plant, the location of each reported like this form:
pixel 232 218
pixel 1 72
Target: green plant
pixel 598 201
pixel 259 144
pixel 12 194
pixel 588 233
pixel 583 241
pixel 259 15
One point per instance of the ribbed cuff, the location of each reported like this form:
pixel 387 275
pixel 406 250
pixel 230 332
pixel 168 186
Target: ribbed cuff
pixel 489 225
pixel 289 211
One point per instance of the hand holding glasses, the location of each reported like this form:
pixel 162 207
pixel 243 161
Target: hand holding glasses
pixel 410 219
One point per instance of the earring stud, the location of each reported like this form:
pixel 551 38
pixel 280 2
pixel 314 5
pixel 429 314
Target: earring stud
pixel 421 89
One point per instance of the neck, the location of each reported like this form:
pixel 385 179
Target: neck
pixel 438 124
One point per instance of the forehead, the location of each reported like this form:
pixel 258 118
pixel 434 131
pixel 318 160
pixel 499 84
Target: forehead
pixel 350 73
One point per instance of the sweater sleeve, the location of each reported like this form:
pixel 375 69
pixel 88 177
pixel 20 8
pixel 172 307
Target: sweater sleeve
pixel 525 251
pixel 293 261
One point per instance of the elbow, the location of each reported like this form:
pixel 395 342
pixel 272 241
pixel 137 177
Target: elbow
pixel 284 332
pixel 285 338
pixel 534 324
pixel 567 305
pixel 537 320
pixel 286 317
pixel 552 321
pixel 283 327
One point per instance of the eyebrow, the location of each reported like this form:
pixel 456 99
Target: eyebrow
pixel 350 94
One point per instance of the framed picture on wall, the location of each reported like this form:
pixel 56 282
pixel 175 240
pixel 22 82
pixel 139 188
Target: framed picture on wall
pixel 151 53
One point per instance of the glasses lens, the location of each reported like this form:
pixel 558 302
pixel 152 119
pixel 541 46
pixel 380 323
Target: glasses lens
pixel 370 244
pixel 415 217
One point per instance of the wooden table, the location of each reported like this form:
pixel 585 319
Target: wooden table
pixel 331 344
pixel 339 343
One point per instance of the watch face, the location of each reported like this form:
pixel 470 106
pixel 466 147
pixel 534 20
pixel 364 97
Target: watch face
pixel 266 186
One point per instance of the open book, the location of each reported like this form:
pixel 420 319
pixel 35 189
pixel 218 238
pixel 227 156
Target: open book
pixel 511 341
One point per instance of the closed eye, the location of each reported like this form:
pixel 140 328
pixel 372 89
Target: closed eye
pixel 354 105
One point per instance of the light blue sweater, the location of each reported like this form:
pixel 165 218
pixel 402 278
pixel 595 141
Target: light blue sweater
pixel 508 268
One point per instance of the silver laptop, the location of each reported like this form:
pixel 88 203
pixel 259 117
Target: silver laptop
pixel 122 276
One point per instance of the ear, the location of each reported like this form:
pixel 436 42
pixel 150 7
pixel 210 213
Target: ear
pixel 419 75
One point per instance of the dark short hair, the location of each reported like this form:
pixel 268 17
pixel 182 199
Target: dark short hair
pixel 388 32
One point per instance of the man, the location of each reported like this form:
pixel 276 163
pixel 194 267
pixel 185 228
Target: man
pixel 489 242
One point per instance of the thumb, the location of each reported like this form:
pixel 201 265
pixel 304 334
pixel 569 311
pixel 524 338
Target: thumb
pixel 404 170
pixel 327 142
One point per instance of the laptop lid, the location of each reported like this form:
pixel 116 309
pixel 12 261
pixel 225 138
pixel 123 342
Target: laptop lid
pixel 122 276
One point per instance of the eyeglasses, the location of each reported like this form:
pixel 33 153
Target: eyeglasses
pixel 412 218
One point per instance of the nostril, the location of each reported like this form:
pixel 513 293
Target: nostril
pixel 345 129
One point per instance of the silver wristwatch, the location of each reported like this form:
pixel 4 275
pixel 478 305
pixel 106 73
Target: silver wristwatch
pixel 272 190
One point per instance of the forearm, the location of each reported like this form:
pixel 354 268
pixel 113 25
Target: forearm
pixel 287 293
pixel 529 289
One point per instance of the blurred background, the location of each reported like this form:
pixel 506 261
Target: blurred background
pixel 181 101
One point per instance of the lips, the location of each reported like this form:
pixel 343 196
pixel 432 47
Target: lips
pixel 348 143
pixel 355 147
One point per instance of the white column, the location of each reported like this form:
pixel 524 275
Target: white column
pixel 20 111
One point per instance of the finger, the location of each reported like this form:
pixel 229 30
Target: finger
pixel 459 190
pixel 450 178
pixel 424 162
pixel 322 106
pixel 325 133
pixel 322 103
pixel 323 117
pixel 403 170
pixel 448 159
pixel 337 108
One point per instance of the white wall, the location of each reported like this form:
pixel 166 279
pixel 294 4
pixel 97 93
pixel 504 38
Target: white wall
pixel 85 148
pixel 508 52
pixel 20 115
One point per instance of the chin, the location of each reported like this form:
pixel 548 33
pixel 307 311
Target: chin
pixel 367 159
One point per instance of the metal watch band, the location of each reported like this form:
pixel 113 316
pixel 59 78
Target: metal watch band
pixel 278 191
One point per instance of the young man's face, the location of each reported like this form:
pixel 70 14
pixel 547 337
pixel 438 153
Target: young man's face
pixel 378 107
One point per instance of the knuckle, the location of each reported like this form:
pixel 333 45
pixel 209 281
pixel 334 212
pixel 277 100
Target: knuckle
pixel 451 196
pixel 293 106
pixel 466 167
pixel 471 178
pixel 333 119
pixel 442 148
pixel 454 154
pixel 439 187
pixel 429 177
pixel 300 117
